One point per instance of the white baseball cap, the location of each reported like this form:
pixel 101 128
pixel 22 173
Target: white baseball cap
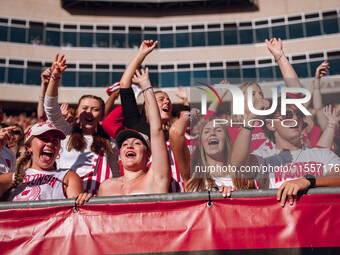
pixel 41 128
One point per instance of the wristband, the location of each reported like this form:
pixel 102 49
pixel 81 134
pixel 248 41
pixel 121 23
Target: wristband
pixel 146 89
pixel 279 57
pixel 55 78
pixel 249 128
pixel 188 114
pixel 311 179
pixel 41 98
pixel 332 122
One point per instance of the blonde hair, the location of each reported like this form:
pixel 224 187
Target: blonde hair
pixel 205 181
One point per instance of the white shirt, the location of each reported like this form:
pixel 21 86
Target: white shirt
pixel 7 161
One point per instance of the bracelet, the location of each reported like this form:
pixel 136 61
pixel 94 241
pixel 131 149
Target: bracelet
pixel 146 89
pixel 332 127
pixel 41 98
pixel 332 122
pixel 311 179
pixel 55 78
pixel 279 57
pixel 249 128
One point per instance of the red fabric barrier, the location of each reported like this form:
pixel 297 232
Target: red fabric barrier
pixel 238 223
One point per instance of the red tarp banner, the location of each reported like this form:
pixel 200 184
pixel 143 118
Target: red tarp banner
pixel 172 226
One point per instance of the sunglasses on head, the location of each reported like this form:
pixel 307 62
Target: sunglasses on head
pixel 290 114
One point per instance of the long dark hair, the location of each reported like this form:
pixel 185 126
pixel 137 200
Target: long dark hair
pixel 101 140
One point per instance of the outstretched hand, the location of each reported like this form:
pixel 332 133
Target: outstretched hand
pixel 275 47
pixel 45 77
pixel 142 78
pixel 182 93
pixel 147 46
pixel 290 189
pixel 64 110
pixel 331 114
pixel 58 66
pixel 322 69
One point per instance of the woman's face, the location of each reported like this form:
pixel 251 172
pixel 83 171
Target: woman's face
pixel 213 141
pixel 164 105
pixel 256 94
pixel 134 154
pixel 44 148
pixel 89 114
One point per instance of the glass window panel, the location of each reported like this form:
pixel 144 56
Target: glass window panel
pixel 295 31
pixel 16 75
pixel 249 74
pixel 246 36
pixel 3 33
pixel 279 32
pixel 33 76
pixel 266 74
pixel 167 40
pixel 154 79
pixel 233 75
pixel 200 76
pixel 330 26
pixel 198 39
pixel 313 66
pixel 335 66
pixel 69 79
pixel 313 28
pixel 70 39
pixel 18 34
pixel 35 36
pixel 103 40
pixel 102 79
pixel 118 41
pixel 167 79
pixel 230 37
pixel 85 79
pixel 214 38
pixel 301 70
pixel 53 38
pixel 262 34
pixel 151 37
pixel 183 78
pixel 86 39
pixel 2 73
pixel 216 76
pixel 182 40
pixel 135 39
pixel 116 76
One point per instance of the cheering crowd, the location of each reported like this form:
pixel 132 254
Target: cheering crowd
pixel 98 149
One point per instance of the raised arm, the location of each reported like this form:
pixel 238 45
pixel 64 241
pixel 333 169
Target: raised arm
pixel 145 48
pixel 110 101
pixel 327 138
pixel 45 79
pixel 288 73
pixel 183 94
pixel 321 70
pixel 51 106
pixel 179 146
pixel 160 168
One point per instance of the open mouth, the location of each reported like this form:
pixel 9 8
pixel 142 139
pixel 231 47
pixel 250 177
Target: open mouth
pixel 213 142
pixel 166 109
pixel 89 120
pixel 47 154
pixel 130 154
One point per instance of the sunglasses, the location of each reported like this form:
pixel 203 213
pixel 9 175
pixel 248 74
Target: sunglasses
pixel 290 115
pixel 16 132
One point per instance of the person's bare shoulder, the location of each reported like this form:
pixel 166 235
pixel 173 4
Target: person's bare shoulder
pixel 109 187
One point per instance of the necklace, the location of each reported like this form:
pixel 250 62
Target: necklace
pixel 123 183
pixel 285 161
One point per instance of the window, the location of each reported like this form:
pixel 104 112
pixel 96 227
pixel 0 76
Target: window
pixel 335 66
pixel 216 76
pixel 262 34
pixel 154 79
pixel 266 74
pixel 313 28
pixel 279 32
pixel 168 79
pixel 69 39
pixel 182 40
pixel 85 79
pixel 214 38
pixel 103 40
pixel 15 75
pixel 200 76
pixel 230 37
pixel 3 33
pixel 246 36
pixel 198 39
pixel 249 74
pixel 295 31
pixel 116 76
pixel 233 75
pixel 301 70
pixel 33 76
pixel 86 39
pixel 53 38
pixel 330 25
pixel 118 41
pixel 68 79
pixel 135 39
pixel 183 78
pixel 103 79
pixel 166 40
pixel 36 33
pixel 2 73
pixel 18 34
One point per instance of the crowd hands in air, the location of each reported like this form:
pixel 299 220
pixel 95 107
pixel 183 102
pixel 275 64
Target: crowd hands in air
pixel 99 149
